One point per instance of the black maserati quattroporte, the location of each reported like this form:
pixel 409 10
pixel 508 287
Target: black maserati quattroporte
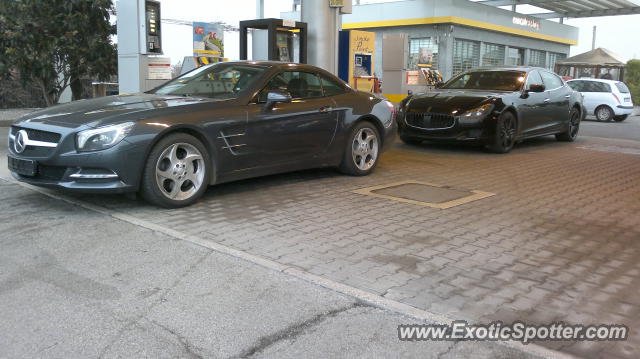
pixel 496 107
pixel 215 124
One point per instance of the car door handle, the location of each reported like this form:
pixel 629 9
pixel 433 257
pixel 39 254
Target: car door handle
pixel 567 96
pixel 547 100
pixel 326 109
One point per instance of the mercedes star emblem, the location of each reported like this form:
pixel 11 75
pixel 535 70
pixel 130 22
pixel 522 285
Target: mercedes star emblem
pixel 20 143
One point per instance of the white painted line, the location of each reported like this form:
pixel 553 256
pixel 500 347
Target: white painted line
pixel 612 149
pixel 359 294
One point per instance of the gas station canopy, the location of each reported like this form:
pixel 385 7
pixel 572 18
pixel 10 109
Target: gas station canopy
pixel 574 8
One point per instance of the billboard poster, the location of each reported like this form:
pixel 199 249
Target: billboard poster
pixel 208 39
pixel 158 68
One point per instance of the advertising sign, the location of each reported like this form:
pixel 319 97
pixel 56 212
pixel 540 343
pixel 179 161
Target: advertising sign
pixel 158 68
pixel 526 21
pixel 208 39
pixel 425 56
pixel 363 42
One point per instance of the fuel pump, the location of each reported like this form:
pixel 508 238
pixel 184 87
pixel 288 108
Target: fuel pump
pixel 356 55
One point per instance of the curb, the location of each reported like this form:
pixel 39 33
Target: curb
pixel 359 294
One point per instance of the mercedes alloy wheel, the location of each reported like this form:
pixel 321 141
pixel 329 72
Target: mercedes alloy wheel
pixel 177 171
pixel 363 147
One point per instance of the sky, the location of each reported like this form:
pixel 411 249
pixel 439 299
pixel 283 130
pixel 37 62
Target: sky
pixel 616 33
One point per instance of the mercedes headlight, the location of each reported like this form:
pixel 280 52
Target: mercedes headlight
pixel 476 115
pixel 103 137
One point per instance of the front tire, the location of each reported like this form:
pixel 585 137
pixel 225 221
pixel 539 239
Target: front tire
pixel 177 171
pixel 505 137
pixel 362 150
pixel 620 118
pixel 604 113
pixel 573 127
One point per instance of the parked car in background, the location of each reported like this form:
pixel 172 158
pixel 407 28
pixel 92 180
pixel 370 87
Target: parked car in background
pixel 605 99
pixel 496 107
pixel 218 123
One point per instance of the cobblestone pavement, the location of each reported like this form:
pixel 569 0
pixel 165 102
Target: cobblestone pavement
pixel 81 284
pixel 559 241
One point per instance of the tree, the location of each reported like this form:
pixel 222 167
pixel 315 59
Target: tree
pixel 632 79
pixel 53 43
pixel 89 52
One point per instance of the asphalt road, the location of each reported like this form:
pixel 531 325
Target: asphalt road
pixel 627 130
pixel 75 283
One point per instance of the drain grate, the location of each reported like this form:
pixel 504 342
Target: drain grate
pixel 425 194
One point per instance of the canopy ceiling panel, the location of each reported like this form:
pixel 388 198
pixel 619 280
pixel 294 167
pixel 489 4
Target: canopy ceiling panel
pixel 574 8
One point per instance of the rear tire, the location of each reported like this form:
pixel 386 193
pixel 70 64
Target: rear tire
pixel 604 113
pixel 177 172
pixel 620 118
pixel 573 127
pixel 505 136
pixel 362 150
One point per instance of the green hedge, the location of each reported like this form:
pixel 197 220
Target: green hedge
pixel 632 79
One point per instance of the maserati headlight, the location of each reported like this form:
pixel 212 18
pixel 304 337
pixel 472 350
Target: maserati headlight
pixel 476 115
pixel 103 137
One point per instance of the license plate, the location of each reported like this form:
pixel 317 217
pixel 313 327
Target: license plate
pixel 627 99
pixel 23 167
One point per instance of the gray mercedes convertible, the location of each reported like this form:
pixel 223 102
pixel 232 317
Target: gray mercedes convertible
pixel 218 123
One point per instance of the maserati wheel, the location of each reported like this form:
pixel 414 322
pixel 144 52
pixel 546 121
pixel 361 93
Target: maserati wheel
pixel 505 137
pixel 572 128
pixel 361 153
pixel 177 171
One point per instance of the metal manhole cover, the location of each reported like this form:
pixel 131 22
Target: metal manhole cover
pixel 425 194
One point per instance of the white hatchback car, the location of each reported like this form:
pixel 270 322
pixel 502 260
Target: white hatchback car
pixel 605 99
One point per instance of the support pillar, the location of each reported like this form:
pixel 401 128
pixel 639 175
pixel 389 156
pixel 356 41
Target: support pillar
pixel 324 26
pixel 259 9
pixel 132 47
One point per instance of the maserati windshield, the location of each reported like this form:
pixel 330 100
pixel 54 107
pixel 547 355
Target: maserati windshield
pixel 488 80
pixel 215 81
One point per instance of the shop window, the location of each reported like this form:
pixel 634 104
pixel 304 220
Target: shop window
pixel 553 58
pixel 423 51
pixel 466 55
pixel 492 55
pixel 515 57
pixel 537 58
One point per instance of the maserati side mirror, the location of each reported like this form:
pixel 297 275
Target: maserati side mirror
pixel 537 88
pixel 532 88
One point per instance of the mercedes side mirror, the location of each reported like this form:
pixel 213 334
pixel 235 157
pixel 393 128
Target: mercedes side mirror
pixel 275 96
